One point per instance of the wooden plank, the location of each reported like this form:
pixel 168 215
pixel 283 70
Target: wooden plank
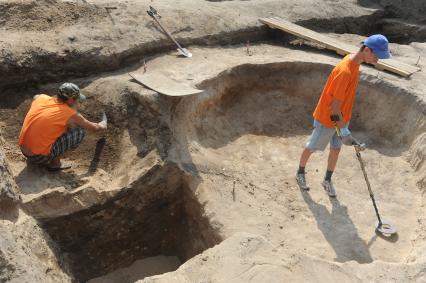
pixel 163 84
pixel 341 48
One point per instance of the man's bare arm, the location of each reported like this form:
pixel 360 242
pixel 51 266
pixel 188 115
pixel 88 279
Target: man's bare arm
pixel 82 122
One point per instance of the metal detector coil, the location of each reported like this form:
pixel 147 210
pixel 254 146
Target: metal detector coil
pixel 385 228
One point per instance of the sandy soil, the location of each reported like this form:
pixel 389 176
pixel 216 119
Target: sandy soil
pixel 268 202
pixel 52 45
pixel 249 142
pixel 237 144
pixel 245 146
pixel 250 258
pixel 140 269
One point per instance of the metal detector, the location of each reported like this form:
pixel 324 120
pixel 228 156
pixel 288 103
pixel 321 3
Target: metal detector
pixel 384 227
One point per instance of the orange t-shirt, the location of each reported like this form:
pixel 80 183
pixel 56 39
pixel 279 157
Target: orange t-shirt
pixel 44 124
pixel 341 85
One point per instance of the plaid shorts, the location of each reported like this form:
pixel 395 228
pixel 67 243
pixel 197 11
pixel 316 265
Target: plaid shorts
pixel 70 140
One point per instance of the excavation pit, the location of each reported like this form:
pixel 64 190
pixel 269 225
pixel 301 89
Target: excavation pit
pixel 240 140
pixel 108 161
pixel 155 220
pixel 121 213
pixel 249 129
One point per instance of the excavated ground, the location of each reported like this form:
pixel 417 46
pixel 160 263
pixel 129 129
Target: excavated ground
pixel 119 205
pixel 48 40
pixel 243 137
pixel 174 176
pixel 154 217
pixel 248 135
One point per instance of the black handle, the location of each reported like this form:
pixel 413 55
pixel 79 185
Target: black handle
pixel 335 118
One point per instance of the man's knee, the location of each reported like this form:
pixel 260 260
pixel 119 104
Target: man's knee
pixel 82 133
pixel 79 134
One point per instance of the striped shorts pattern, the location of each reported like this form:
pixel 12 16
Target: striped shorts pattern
pixel 70 140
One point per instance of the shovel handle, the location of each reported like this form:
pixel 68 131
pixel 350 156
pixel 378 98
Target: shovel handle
pixel 153 10
pixel 154 14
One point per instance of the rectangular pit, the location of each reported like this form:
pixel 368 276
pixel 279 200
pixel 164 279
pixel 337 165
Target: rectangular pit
pixel 156 216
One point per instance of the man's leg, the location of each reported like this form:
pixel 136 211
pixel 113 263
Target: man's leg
pixel 37 159
pixel 315 141
pixel 304 158
pixel 70 140
pixel 333 156
pixel 300 175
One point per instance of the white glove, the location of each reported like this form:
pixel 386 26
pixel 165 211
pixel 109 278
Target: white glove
pixel 349 140
pixel 104 122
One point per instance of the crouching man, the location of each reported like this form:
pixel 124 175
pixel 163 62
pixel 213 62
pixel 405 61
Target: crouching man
pixel 52 126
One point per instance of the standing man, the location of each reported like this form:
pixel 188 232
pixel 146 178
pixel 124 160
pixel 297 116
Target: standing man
pixel 53 126
pixel 335 106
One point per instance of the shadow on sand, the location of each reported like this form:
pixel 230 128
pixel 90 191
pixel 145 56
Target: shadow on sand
pixel 339 231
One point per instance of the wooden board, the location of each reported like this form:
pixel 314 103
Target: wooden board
pixel 341 48
pixel 161 83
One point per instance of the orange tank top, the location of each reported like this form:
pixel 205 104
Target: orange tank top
pixel 44 124
pixel 341 85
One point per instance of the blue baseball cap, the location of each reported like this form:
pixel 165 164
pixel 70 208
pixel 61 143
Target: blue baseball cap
pixel 379 44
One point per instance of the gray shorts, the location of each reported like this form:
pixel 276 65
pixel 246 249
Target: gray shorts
pixel 321 136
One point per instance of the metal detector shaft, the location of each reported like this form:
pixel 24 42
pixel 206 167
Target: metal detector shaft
pixel 361 162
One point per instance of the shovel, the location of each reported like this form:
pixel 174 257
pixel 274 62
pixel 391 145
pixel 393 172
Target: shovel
pixel 153 14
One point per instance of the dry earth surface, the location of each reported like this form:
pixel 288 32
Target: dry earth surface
pixel 202 186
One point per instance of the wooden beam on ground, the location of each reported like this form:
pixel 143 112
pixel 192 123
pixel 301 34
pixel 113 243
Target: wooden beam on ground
pixel 341 48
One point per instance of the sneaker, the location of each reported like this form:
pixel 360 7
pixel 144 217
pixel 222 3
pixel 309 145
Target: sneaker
pixel 301 181
pixel 328 187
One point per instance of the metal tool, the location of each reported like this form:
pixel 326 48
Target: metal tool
pixel 104 120
pixel 385 227
pixel 154 14
pixel 382 226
